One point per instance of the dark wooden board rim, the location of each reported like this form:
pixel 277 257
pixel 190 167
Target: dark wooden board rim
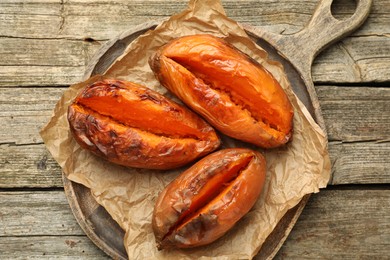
pixel 276 44
pixel 82 220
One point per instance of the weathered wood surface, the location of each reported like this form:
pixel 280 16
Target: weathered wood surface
pixel 352 163
pixel 27 213
pixel 340 222
pixel 355 114
pixel 49 247
pixel 72 30
pixel 24 111
pixel 45 46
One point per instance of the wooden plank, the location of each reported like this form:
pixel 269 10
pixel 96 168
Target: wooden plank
pixel 282 16
pixel 29 166
pixel 357 59
pixel 100 20
pixel 34 52
pixel 355 223
pixel 354 59
pixel 40 75
pixel 36 213
pixel 50 247
pixel 15 25
pixel 60 28
pixel 32 62
pixel 24 111
pixel 351 116
pixel 342 224
pixel 327 93
pixel 360 163
pixel 352 163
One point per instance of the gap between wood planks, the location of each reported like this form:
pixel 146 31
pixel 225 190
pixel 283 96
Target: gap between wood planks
pixel 86 39
pixel 373 84
pixel 338 187
pixel 31 189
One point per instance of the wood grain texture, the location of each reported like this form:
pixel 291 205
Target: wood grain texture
pixel 360 163
pixel 70 31
pixel 265 13
pixel 50 247
pixel 29 166
pixel 63 53
pixel 24 111
pixel 354 60
pixel 356 113
pixel 342 224
pixel 355 222
pixel 352 163
pixel 28 213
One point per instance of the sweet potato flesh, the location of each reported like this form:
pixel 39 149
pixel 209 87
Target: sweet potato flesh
pixel 222 105
pixel 141 108
pixel 213 189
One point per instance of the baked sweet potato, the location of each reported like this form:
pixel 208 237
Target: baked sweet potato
pixel 233 92
pixel 131 125
pixel 206 200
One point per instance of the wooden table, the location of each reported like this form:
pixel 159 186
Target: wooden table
pixel 44 47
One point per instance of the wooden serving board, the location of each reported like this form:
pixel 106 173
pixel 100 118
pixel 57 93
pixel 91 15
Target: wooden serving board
pixel 295 52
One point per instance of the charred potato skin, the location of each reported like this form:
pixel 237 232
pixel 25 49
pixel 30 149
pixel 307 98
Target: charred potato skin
pixel 129 145
pixel 214 219
pixel 232 91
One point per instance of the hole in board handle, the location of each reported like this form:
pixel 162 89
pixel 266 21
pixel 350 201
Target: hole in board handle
pixel 343 9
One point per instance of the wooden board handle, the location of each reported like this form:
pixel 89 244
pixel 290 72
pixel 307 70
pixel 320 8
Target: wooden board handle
pixel 302 47
pixel 322 30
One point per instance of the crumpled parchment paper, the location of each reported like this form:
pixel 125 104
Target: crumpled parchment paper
pixel 301 167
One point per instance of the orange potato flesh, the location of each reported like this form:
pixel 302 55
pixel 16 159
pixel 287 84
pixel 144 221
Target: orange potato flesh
pixel 213 186
pixel 217 107
pixel 205 201
pixel 109 134
pixel 188 62
pixel 138 107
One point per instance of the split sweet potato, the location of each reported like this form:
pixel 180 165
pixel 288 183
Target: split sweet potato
pixel 233 92
pixel 131 125
pixel 206 200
